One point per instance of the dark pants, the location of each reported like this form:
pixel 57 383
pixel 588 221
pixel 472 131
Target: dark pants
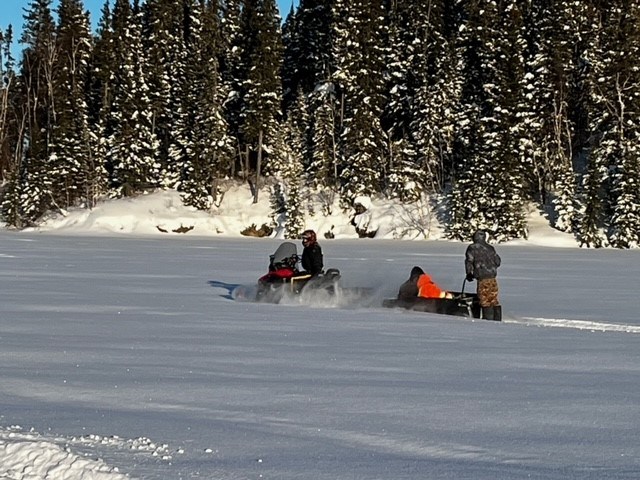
pixel 488 292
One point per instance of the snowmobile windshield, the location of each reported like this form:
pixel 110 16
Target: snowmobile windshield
pixel 285 254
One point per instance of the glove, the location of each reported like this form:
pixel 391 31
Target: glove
pixel 470 277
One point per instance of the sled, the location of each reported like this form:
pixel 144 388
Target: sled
pixel 461 305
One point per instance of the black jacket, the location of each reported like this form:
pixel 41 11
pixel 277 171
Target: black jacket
pixel 481 259
pixel 312 259
pixel 409 289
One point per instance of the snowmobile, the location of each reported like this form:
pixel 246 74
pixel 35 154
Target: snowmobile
pixel 461 304
pixel 284 279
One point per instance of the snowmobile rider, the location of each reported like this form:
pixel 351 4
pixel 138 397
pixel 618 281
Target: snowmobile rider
pixel 421 285
pixel 312 262
pixel 481 263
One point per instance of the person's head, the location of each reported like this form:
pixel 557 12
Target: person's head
pixel 416 272
pixel 480 236
pixel 308 238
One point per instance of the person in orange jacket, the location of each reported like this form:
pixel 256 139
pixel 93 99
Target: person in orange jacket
pixel 421 285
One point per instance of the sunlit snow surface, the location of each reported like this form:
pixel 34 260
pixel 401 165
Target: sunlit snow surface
pixel 130 357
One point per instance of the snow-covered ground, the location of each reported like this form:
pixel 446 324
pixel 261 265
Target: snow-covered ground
pixel 124 356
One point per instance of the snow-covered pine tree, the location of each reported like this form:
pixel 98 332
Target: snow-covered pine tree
pixel 100 91
pixel 164 27
pixel 233 72
pixel 404 178
pixel 307 49
pixel 77 173
pixel 617 117
pixel 435 92
pixel 28 192
pixel 100 94
pixel 592 217
pixel 102 66
pixel 307 62
pixel 469 196
pixel 507 98
pixel 563 176
pixel 290 168
pixel 290 57
pixel 261 87
pixel 363 141
pixel 10 131
pixel 488 184
pixel 547 145
pixel 209 148
pixel 133 146
pixel 595 188
pixel 8 115
pixel 322 155
pixel 625 218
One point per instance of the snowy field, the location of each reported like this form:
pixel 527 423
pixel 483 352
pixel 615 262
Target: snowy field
pixel 126 357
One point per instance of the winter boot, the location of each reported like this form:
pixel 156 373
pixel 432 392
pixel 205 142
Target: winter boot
pixel 487 313
pixel 497 313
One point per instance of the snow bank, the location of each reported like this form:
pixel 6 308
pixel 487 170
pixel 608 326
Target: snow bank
pixel 28 456
pixel 163 213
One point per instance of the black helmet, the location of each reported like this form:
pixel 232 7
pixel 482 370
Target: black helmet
pixel 416 272
pixel 309 238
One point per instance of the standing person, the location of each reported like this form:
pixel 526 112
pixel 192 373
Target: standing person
pixel 421 285
pixel 312 261
pixel 481 263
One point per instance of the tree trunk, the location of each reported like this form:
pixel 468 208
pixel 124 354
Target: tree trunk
pixel 258 167
pixel 247 166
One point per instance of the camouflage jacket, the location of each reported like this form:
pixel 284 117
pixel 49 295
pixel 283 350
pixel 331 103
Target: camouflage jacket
pixel 481 259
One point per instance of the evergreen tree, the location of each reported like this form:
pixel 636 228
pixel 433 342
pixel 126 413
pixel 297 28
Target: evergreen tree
pixel 363 141
pixel 295 131
pixel 469 198
pixel 426 55
pixel 595 188
pixel 290 57
pixel 101 89
pixel 509 192
pixel 322 166
pixel 209 149
pixel 488 187
pixel 165 28
pixel 307 46
pixel 133 146
pixel 100 73
pixel 306 75
pixel 617 117
pixel 261 87
pixel 12 112
pixel 288 178
pixel 233 72
pixel 591 230
pixel 547 147
pixel 76 173
pixel 29 190
pixel 7 103
pixel 404 177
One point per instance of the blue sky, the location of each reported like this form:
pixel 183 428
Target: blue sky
pixel 13 10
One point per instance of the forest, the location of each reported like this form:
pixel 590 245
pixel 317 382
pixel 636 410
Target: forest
pixel 482 106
